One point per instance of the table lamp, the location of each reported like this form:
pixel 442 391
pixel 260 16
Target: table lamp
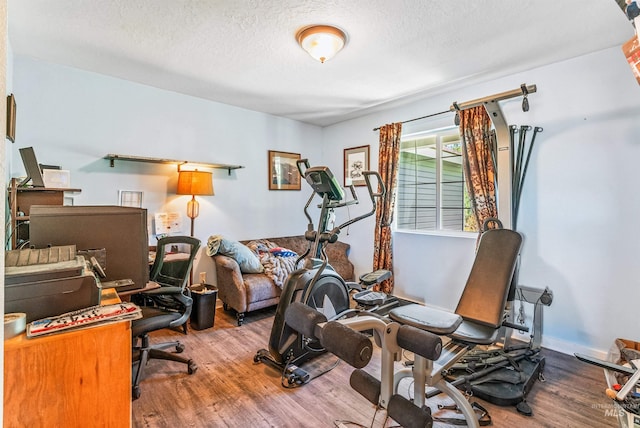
pixel 194 183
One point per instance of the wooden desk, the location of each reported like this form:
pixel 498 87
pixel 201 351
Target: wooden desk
pixel 75 379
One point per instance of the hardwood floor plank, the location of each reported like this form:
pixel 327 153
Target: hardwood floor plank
pixel 230 390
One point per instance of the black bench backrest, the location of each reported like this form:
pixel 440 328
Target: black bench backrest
pixel 485 294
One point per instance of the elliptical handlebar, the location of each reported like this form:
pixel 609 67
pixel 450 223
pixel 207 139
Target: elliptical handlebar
pixel 372 195
pixel 300 163
pixel 325 185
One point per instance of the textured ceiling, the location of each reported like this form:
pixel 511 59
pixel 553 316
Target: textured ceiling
pixel 244 52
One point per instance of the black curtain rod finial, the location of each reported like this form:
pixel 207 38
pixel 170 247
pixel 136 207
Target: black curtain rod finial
pixel 525 100
pixel 456 119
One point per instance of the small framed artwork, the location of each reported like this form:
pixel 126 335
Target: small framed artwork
pixel 356 161
pixel 11 118
pixel 130 198
pixel 283 171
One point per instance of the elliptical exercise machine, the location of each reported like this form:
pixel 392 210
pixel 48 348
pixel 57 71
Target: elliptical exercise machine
pixel 316 284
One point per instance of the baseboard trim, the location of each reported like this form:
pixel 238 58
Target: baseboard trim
pixel 570 348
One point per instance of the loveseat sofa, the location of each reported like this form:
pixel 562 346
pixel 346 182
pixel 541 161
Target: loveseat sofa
pixel 246 292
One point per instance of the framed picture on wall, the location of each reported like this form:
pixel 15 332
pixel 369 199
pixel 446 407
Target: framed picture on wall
pixel 356 160
pixel 283 171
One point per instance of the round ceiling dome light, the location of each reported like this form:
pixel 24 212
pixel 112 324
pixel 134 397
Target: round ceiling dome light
pixel 322 42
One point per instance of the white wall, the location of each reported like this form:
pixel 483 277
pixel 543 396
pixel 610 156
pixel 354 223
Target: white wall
pixel 579 206
pixel 73 118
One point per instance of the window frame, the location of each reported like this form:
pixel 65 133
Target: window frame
pixel 438 158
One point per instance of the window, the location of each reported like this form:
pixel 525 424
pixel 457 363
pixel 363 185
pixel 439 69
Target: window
pixel 432 193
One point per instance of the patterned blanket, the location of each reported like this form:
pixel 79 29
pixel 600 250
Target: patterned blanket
pixel 278 262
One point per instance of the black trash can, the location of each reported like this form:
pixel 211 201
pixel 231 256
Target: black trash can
pixel 203 311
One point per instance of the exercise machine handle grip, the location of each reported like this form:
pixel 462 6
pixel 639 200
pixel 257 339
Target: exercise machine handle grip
pixel 303 165
pixel 367 179
pixel 372 195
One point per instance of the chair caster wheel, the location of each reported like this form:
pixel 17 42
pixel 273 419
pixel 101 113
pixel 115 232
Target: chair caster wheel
pixel 135 392
pixel 240 318
pixel 179 348
pixel 192 367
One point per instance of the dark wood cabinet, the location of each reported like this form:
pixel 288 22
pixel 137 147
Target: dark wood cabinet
pixel 20 201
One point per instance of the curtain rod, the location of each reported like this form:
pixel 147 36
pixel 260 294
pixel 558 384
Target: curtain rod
pixel 523 90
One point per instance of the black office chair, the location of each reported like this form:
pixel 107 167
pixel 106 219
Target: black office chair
pixel 174 273
pixel 168 306
pixel 171 270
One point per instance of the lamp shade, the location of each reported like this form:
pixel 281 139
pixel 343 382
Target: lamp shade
pixel 322 42
pixel 195 183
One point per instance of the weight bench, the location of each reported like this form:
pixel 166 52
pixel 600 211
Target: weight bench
pixel 478 318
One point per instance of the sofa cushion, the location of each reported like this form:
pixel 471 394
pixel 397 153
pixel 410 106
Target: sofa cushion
pixel 258 289
pixel 246 259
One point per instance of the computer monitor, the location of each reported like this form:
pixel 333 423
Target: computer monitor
pixel 31 166
pixel 122 231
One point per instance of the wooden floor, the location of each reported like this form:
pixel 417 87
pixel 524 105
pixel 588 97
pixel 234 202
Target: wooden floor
pixel 230 390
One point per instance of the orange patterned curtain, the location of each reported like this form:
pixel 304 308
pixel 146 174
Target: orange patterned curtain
pixel 388 168
pixel 477 142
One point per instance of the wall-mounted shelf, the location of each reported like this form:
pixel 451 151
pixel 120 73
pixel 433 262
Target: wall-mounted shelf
pixel 112 158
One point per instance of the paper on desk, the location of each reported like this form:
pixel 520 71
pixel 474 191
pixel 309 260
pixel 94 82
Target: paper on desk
pixel 88 317
pixel 168 223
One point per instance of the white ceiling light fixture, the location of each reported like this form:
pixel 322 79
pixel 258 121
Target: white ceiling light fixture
pixel 322 42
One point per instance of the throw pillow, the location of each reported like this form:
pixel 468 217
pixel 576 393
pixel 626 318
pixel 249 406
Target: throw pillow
pixel 246 259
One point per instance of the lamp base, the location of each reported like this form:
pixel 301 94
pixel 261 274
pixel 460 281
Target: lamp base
pixel 193 209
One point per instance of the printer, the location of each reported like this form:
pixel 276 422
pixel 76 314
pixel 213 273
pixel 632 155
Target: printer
pixel 47 282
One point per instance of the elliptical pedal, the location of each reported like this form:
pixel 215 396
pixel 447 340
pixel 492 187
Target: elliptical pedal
pixel 295 375
pixel 370 298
